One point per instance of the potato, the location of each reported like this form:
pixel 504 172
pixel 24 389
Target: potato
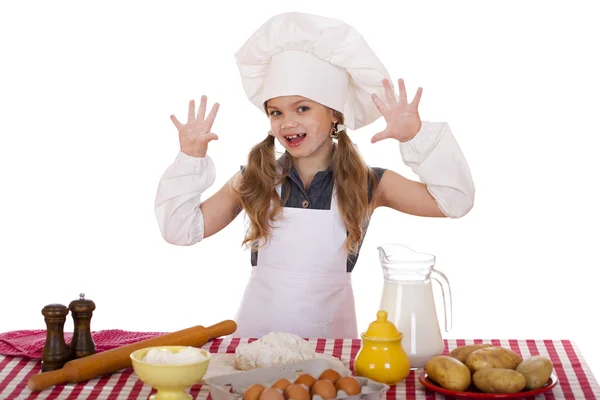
pixel 493 357
pixel 536 370
pixel 499 380
pixel 461 352
pixel 448 372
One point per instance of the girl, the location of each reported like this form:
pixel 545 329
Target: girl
pixel 309 209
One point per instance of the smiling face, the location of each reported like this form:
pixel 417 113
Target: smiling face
pixel 301 125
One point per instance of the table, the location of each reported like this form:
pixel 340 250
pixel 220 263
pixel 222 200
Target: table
pixel 575 380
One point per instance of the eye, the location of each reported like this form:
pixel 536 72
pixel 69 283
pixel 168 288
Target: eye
pixel 303 108
pixel 273 113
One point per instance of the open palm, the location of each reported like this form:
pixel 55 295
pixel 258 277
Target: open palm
pixel 195 134
pixel 402 118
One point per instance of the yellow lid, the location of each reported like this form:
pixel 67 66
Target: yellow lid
pixel 382 328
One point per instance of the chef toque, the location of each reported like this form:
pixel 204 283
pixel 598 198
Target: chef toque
pixel 323 59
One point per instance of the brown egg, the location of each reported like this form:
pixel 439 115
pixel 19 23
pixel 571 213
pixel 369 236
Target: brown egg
pixel 296 392
pixel 324 388
pixel 281 384
pixel 330 374
pixel 349 385
pixel 306 379
pixel 271 394
pixel 253 392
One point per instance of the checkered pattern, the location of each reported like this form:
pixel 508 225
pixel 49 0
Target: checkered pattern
pixel 575 380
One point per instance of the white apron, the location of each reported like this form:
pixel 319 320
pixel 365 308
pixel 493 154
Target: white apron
pixel 300 284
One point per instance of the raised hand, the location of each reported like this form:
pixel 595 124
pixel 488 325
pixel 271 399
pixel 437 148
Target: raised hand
pixel 195 134
pixel 403 121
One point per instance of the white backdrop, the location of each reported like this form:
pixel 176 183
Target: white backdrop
pixel 86 94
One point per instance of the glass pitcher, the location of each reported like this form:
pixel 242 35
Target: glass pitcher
pixel 408 299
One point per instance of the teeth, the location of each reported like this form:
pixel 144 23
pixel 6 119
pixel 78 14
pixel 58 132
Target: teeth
pixel 295 136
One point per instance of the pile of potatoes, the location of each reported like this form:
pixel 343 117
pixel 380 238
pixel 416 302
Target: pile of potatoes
pixel 491 369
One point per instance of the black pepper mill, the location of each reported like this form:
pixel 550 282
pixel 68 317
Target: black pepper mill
pixel 82 343
pixel 56 352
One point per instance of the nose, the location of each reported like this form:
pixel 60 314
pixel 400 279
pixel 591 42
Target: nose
pixel 288 124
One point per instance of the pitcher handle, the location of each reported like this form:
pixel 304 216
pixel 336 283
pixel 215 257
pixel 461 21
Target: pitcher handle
pixel 446 296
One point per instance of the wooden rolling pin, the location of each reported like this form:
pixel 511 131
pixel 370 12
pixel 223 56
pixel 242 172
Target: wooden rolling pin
pixel 106 362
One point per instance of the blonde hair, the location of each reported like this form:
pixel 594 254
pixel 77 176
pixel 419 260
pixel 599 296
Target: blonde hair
pixel 258 195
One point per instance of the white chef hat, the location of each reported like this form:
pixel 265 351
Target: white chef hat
pixel 320 58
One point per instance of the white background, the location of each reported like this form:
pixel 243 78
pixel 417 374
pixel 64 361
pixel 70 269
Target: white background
pixel 86 94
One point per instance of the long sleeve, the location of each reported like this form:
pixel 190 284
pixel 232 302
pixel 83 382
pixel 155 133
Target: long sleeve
pixel 178 199
pixel 435 156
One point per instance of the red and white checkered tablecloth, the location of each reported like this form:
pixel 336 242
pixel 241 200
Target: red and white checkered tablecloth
pixel 575 380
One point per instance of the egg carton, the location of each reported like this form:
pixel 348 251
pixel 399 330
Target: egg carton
pixel 232 386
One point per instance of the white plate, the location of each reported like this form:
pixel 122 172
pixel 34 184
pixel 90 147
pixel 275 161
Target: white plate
pixel 224 363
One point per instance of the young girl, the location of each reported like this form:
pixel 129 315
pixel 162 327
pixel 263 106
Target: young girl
pixel 309 209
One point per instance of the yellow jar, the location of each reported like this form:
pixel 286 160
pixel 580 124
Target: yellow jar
pixel 381 357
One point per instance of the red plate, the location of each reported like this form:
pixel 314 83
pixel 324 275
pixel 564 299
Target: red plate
pixel 473 393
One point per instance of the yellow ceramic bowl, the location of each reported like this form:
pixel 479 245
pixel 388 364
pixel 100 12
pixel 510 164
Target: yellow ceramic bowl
pixel 169 380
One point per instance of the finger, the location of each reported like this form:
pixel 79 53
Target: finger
pixel 191 111
pixel 378 103
pixel 212 136
pixel 417 98
pixel 178 124
pixel 379 136
pixel 202 108
pixel 389 92
pixel 212 115
pixel 402 89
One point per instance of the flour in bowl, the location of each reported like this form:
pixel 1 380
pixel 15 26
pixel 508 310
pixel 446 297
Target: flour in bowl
pixel 189 355
pixel 275 348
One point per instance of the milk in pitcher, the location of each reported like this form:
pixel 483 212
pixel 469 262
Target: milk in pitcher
pixel 408 299
pixel 411 307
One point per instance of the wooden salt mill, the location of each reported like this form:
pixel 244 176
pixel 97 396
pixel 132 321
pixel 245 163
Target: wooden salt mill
pixel 82 343
pixel 55 353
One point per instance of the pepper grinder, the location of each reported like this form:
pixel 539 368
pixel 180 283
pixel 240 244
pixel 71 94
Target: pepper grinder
pixel 56 352
pixel 82 343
